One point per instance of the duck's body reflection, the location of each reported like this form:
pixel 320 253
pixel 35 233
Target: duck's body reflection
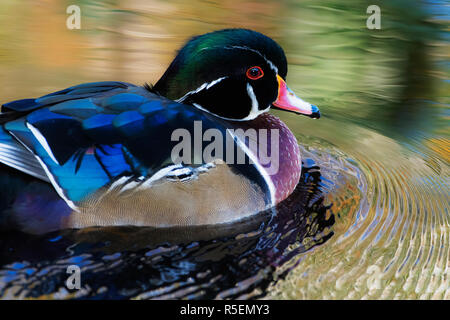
pixel 232 260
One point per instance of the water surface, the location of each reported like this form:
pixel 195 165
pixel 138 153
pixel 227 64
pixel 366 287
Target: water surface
pixel 370 218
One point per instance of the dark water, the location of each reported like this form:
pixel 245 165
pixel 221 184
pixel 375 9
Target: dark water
pixel 238 260
pixel 370 218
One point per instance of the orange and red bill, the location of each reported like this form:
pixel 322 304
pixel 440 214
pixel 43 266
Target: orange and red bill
pixel 288 101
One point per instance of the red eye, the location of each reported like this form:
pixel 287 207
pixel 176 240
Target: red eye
pixel 254 73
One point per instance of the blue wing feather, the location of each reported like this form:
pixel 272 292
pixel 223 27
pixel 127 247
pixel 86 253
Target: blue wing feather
pixel 73 93
pixel 20 105
pixel 62 133
pixel 82 109
pixel 99 128
pixel 88 135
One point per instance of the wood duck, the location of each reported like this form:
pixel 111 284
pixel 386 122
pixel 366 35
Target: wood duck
pixel 101 154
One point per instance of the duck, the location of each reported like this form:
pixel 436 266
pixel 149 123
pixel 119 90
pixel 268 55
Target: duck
pixel 105 153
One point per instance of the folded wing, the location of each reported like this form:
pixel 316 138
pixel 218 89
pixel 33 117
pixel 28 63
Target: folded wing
pixel 88 137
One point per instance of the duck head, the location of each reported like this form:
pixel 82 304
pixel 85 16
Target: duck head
pixel 235 74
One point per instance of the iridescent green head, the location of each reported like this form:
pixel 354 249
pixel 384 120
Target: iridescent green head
pixel 235 74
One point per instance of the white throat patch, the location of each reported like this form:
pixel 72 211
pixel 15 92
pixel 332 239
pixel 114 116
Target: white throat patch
pixel 254 112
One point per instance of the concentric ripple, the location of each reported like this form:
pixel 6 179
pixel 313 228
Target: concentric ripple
pixel 370 218
pixel 225 261
pixel 393 242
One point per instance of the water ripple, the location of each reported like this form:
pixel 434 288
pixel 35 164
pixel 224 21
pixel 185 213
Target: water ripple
pixel 397 245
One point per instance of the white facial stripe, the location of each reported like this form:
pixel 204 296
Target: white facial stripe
pixel 251 116
pixel 204 86
pixel 214 82
pixel 205 110
pixel 254 112
pixel 252 96
pixel 270 63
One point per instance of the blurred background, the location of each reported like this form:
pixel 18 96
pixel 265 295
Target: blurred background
pixel 382 144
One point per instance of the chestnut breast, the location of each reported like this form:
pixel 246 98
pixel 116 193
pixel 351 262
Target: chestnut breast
pixel 285 174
